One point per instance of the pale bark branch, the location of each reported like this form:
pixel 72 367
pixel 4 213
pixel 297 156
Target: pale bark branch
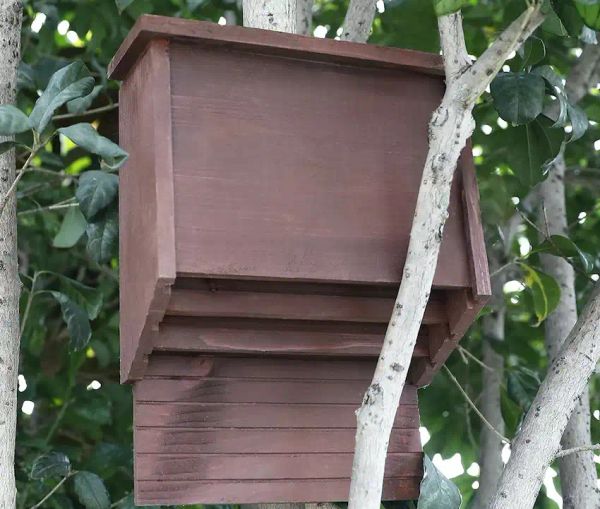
pixel 537 442
pixel 10 36
pixel 358 20
pixel 450 127
pixel 278 15
pixel 576 450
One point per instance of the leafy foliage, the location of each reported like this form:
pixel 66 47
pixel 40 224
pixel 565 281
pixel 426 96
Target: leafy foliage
pixel 53 464
pixel 437 492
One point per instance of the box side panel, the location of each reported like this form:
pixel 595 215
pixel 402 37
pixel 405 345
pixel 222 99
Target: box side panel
pixel 248 430
pixel 145 221
pixel 301 170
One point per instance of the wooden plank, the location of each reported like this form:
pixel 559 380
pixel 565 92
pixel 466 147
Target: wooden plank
pixel 234 492
pixel 275 441
pixel 331 220
pixel 148 27
pixel 260 415
pixel 481 286
pixel 291 306
pixel 188 335
pixel 201 467
pixel 163 365
pixel 147 251
pixel 214 390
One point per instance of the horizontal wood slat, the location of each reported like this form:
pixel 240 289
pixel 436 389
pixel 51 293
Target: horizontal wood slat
pixel 263 415
pixel 291 307
pixel 182 334
pixel 277 441
pixel 209 390
pixel 216 492
pixel 264 466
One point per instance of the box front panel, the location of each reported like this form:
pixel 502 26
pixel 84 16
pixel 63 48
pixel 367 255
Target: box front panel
pixel 248 430
pixel 292 169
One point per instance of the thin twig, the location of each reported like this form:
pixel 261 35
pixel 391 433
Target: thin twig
pixel 57 206
pixel 575 450
pixel 474 407
pixel 18 177
pixel 466 352
pixel 52 491
pixel 101 109
pixel 505 266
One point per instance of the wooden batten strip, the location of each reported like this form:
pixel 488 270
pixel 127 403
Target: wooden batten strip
pixel 220 492
pixel 291 307
pixel 252 440
pixel 189 335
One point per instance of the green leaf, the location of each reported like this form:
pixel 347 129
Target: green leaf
pixel 96 190
pixel 562 246
pixel 522 385
pixel 71 229
pixel 437 492
pixel 518 96
pixel 567 12
pixel 545 291
pixel 91 491
pixel 102 235
pixel 532 51
pixel 579 122
pixel 87 137
pixel 556 88
pixel 122 5
pixel 66 84
pixel 589 10
pixel 84 296
pixel 443 7
pixel 76 319
pixel 532 148
pixel 81 104
pixel 12 120
pixel 53 464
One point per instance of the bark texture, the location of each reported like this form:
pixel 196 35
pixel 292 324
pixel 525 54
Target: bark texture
pixel 490 455
pixel 538 440
pixel 304 17
pixel 450 127
pixel 577 471
pixel 358 20
pixel 10 36
pixel 279 15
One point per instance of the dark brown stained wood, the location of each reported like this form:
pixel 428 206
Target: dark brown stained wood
pixel 229 423
pixel 296 490
pixel 253 440
pixel 185 334
pixel 334 215
pixel 232 390
pixel 148 27
pixel 186 467
pixel 291 306
pixel 480 275
pixel 147 255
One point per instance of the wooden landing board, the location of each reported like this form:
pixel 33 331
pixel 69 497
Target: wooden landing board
pixel 212 429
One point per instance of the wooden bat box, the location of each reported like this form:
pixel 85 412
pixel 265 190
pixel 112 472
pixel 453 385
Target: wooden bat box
pixel 265 212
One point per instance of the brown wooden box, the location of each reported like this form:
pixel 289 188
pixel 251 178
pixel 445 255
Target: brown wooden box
pixel 265 212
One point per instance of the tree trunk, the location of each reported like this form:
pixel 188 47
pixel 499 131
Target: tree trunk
pixel 10 37
pixel 538 440
pixel 449 129
pixel 358 21
pixel 490 454
pixel 577 471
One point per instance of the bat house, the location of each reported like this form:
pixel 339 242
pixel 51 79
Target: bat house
pixel 265 213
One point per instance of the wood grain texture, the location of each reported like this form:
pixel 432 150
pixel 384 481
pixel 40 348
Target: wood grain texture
pixel 278 490
pixel 335 216
pixel 274 337
pixel 147 255
pixel 148 27
pixel 251 429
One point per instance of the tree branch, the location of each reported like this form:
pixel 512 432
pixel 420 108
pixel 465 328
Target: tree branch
pixel 575 450
pixel 474 406
pixel 358 20
pixel 454 48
